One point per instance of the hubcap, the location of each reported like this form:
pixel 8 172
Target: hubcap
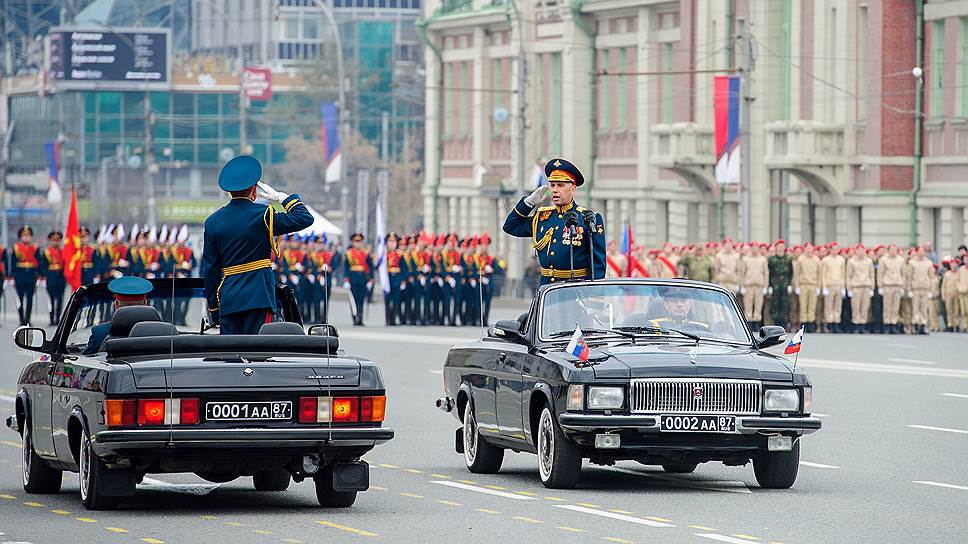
pixel 84 474
pixel 470 435
pixel 546 445
pixel 27 449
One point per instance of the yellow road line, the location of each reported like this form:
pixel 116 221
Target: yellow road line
pixel 413 471
pixel 234 524
pixel 527 520
pixel 471 482
pixel 572 529
pixel 556 499
pixel 32 504
pixel 526 493
pixel 702 528
pixel 8 497
pixel 11 443
pixel 153 541
pixel 292 541
pixel 378 488
pixel 441 476
pixel 353 530
pixel 624 512
pixel 86 520
pixel 654 518
pixel 262 532
pixel 746 537
pixel 116 530
pixel 619 540
pixel 209 518
pixel 488 511
pixel 450 503
pixel 774 542
pixel 60 512
pixel 499 488
pixel 388 466
pixel 587 505
pixel 411 495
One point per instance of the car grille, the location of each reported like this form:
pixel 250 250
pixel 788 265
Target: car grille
pixel 673 395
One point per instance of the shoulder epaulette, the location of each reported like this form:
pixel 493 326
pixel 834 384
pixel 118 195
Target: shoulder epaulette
pixel 545 208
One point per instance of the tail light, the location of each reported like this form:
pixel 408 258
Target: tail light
pixel 342 409
pixel 151 412
pixel 119 412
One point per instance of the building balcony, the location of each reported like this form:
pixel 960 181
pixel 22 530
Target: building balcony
pixel 688 150
pixel 817 153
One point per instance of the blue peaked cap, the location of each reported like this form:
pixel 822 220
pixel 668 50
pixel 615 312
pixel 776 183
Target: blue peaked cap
pixel 130 286
pixel 240 173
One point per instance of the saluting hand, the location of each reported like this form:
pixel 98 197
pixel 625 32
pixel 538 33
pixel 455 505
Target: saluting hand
pixel 537 196
pixel 266 191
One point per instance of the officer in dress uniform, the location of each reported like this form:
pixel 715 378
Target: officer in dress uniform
pixel 357 276
pixel 564 234
pixel 437 282
pixel 398 273
pixel 128 291
pixel 322 261
pixel 51 272
pixel 239 242
pixel 485 267
pixel 471 293
pixel 89 272
pixel 24 265
pixel 420 258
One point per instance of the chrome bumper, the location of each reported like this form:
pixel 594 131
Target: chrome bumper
pixel 744 424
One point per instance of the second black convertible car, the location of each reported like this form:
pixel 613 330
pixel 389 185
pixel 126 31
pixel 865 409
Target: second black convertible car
pixel 277 406
pixel 673 377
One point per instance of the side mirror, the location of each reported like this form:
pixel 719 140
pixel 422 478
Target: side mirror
pixel 31 338
pixel 770 335
pixel 323 329
pixel 508 329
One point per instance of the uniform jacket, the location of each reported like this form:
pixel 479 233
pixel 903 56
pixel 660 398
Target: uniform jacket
pixel 241 235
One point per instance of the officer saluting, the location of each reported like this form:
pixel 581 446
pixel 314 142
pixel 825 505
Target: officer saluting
pixel 239 245
pixel 560 231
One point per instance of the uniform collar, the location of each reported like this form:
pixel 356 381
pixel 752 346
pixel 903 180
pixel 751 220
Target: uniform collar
pixel 240 200
pixel 566 207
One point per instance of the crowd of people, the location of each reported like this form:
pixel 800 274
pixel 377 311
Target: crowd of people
pixel 824 287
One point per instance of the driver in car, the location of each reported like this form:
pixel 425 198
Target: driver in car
pixel 677 305
pixel 128 291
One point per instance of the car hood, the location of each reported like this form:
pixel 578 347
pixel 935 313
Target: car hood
pixel 689 361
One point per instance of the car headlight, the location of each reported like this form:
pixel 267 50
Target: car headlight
pixel 576 398
pixel 781 400
pixel 605 398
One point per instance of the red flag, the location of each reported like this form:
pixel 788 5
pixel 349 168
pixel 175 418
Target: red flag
pixel 72 246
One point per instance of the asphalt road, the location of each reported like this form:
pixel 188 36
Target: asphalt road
pixel 889 466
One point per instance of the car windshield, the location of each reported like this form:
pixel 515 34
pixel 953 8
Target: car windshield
pixel 679 311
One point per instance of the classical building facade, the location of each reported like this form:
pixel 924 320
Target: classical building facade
pixel 624 88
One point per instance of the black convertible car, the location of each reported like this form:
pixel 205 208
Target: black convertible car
pixel 672 376
pixel 278 406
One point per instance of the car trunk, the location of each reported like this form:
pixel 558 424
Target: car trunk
pixel 231 372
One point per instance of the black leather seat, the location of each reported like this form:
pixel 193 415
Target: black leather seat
pixel 282 327
pixel 152 328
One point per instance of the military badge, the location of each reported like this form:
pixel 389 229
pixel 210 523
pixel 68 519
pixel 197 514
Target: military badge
pixel 544 215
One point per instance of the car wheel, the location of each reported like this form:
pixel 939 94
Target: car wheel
pixel 329 497
pixel 91 477
pixel 37 476
pixel 680 468
pixel 272 480
pixel 479 456
pixel 559 461
pixel 777 469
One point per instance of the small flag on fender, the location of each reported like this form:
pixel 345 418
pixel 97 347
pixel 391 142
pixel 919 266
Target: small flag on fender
pixel 577 345
pixel 794 345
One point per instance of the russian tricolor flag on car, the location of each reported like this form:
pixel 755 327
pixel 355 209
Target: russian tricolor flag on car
pixel 794 345
pixel 577 345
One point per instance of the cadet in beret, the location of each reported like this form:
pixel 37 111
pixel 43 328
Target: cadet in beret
pixel 240 240
pixel 559 230
pixel 128 291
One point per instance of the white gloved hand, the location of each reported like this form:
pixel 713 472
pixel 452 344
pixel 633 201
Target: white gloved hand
pixel 311 279
pixel 187 265
pixel 455 269
pixel 473 283
pixel 299 267
pixel 369 285
pixel 843 293
pixel 403 286
pixel 440 282
pixel 426 269
pixel 825 291
pixel 797 290
pixel 488 269
pixel 485 281
pixel 325 267
pixel 452 282
pixel 880 291
pixel 871 294
pixel 537 196
pixel 767 291
pixel 122 262
pixel 346 285
pixel 267 192
pixel 930 295
pixel 294 279
pixel 423 282
pixel 790 289
pixel 818 291
pixel 275 266
pixel 850 294
pixel 154 266
pixel 910 294
pixel 742 290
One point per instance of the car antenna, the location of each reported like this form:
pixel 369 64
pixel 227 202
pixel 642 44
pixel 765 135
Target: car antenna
pixel 171 363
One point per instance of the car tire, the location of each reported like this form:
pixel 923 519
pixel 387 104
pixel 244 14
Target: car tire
pixel 559 461
pixel 329 497
pixel 479 456
pixel 37 476
pixel 777 469
pixel 90 476
pixel 680 468
pixel 272 480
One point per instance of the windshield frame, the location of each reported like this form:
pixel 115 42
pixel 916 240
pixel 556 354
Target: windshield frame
pixel 687 284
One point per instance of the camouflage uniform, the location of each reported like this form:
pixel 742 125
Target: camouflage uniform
pixel 781 272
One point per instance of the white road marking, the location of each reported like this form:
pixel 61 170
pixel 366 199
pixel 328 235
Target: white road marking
pixel 911 361
pixel 613 515
pixel 939 484
pixel 436 371
pixel 474 488
pixel 905 346
pixel 818 414
pixel 956 395
pixel 728 486
pixel 885 369
pixel 722 538
pixel 7 398
pixel 942 429
pixel 406 338
pixel 816 465
pixel 189 489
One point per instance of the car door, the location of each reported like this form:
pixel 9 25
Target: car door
pixel 37 383
pixel 508 373
pixel 65 377
pixel 480 373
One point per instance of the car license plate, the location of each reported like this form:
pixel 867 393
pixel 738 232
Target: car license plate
pixel 248 411
pixel 697 424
